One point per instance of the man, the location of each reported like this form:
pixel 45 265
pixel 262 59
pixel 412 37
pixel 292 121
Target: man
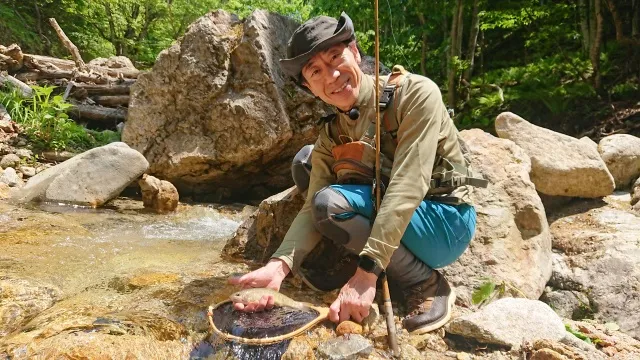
pixel 415 229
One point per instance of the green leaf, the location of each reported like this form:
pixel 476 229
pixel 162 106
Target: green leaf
pixel 484 292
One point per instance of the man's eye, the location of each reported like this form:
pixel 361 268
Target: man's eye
pixel 314 72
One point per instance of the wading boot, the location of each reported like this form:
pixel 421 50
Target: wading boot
pixel 429 304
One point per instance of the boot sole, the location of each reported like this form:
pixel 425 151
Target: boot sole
pixel 438 324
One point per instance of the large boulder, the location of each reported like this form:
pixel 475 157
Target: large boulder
pixel 91 178
pixel 621 153
pixel 599 257
pixel 217 112
pixel 560 164
pixel 512 242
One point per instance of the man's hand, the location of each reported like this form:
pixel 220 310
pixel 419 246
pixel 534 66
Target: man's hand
pixel 269 276
pixel 355 298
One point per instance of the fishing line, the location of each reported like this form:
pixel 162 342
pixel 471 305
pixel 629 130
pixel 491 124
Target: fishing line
pixel 406 61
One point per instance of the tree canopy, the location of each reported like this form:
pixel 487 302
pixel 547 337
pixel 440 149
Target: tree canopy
pixel 559 63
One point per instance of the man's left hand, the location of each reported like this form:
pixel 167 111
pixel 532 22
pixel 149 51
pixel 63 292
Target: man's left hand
pixel 355 298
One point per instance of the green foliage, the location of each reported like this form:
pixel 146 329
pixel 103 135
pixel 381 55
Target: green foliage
pixel 46 123
pixel 489 291
pixel 580 335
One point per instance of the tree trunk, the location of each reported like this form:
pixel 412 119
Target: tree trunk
pixel 425 45
pixel 592 23
pixel 595 46
pixel 617 21
pixel 456 42
pixel 635 20
pixel 445 33
pixel 583 12
pixel 473 41
pixel 47 43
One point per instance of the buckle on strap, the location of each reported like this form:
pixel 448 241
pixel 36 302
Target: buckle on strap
pixel 386 96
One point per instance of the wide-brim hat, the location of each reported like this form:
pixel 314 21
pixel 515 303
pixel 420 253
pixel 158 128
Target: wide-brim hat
pixel 315 35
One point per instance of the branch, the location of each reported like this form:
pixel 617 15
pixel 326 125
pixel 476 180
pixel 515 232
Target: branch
pixel 75 54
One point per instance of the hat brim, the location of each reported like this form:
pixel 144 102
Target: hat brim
pixel 293 67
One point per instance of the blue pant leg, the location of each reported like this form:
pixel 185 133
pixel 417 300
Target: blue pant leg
pixel 437 234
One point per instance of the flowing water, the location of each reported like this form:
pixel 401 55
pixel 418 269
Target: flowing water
pixel 116 281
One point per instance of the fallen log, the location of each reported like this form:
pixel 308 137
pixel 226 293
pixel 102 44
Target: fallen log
pixel 47 74
pixel 11 58
pixel 112 100
pixel 36 62
pixel 26 91
pixel 69 45
pixel 98 113
pixel 106 89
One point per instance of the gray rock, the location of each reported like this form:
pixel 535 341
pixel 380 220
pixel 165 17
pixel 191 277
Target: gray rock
pixel 114 62
pixel 5 120
pixel 91 178
pixel 9 160
pixel 27 171
pixel 510 322
pixel 601 260
pixel 621 153
pixel 262 233
pixel 510 216
pixel 560 164
pixel 217 111
pixel 346 347
pixel 11 178
pixel 24 153
pixel 635 192
pixel 565 303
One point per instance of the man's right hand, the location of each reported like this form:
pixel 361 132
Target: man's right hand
pixel 269 276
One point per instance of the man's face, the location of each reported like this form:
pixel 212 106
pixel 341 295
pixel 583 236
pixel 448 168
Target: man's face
pixel 334 76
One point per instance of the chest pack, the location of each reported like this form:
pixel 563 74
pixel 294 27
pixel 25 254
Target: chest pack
pixel 355 159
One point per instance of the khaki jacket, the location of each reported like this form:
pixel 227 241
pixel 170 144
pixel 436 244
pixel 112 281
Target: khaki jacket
pixel 425 131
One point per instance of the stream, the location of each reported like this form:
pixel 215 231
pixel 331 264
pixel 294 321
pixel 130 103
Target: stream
pixel 120 280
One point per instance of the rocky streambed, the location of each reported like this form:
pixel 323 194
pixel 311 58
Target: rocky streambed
pixel 123 283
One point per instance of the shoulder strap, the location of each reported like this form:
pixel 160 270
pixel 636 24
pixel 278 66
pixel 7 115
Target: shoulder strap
pixel 392 84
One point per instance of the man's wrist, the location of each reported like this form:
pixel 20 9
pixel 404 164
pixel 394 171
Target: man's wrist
pixel 280 266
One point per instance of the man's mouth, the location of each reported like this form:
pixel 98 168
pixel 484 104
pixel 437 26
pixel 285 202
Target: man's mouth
pixel 340 88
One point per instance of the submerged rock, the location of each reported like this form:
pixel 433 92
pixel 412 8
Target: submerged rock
pixel 21 300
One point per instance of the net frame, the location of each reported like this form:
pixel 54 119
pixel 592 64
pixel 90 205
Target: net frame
pixel 323 314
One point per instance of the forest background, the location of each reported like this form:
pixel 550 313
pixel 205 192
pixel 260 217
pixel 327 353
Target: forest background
pixel 569 65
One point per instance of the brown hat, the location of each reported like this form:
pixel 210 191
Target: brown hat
pixel 315 35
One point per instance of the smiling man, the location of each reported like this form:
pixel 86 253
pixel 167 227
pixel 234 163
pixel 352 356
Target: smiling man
pixel 425 220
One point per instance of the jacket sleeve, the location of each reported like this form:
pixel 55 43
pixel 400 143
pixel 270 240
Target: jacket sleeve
pixel 420 111
pixel 302 237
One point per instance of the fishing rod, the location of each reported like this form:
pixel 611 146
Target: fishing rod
pixel 386 296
